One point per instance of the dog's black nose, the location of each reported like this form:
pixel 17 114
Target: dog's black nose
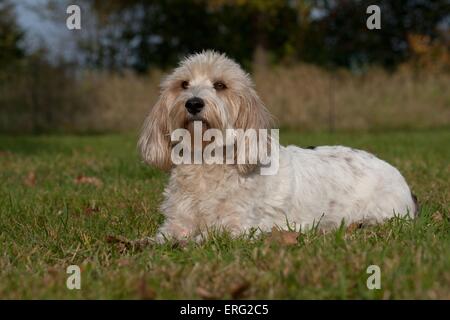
pixel 194 105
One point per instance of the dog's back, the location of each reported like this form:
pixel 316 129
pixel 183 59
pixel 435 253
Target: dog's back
pixel 338 183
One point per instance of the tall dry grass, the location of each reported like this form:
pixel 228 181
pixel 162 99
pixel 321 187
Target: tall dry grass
pixel 310 98
pixel 300 96
pixel 303 97
pixel 120 102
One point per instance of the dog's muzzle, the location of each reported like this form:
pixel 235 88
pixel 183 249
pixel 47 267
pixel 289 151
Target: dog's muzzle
pixel 194 105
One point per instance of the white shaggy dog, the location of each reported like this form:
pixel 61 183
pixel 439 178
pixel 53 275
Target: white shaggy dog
pixel 322 186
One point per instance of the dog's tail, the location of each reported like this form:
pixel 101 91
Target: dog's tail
pixel 416 205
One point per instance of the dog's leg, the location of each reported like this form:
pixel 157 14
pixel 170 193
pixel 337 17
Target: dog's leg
pixel 148 241
pixel 158 239
pixel 171 230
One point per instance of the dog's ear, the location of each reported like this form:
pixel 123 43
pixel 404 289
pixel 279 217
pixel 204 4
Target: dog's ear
pixel 252 112
pixel 154 141
pixel 252 115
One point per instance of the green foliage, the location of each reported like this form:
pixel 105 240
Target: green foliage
pixel 350 43
pixel 330 33
pixel 11 37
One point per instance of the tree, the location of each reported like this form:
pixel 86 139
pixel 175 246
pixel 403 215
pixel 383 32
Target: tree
pixel 141 34
pixel 348 42
pixel 11 37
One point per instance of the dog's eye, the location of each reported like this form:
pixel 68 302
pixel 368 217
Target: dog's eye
pixel 184 85
pixel 219 85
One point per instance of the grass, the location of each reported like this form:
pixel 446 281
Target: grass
pixel 303 96
pixel 49 220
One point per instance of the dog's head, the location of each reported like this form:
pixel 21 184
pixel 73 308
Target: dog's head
pixel 206 87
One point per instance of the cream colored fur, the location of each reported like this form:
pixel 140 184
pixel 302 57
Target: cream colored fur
pixel 324 186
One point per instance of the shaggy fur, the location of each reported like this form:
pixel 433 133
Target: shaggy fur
pixel 322 186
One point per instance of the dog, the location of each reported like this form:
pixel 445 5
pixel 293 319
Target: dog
pixel 319 187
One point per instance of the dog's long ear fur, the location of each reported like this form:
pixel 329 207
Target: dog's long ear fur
pixel 154 141
pixel 252 115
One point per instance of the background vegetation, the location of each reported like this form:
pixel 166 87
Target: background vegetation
pixel 63 196
pixel 315 63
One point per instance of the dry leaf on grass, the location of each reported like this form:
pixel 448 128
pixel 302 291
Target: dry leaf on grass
pixel 180 244
pixel 122 243
pixel 53 271
pixel 125 243
pixel 238 290
pixel 353 227
pixel 205 294
pixel 117 239
pixel 144 291
pixel 123 262
pixel 91 210
pixel 81 179
pixel 437 216
pixel 282 237
pixel 30 179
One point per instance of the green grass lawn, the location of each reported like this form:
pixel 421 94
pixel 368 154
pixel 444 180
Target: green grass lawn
pixel 50 219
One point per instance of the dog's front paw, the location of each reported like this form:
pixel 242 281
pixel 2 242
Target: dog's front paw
pixel 149 241
pixel 159 239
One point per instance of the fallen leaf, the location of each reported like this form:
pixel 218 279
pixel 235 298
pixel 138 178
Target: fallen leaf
pixel 91 210
pixel 117 239
pixel 30 179
pixel 282 237
pixel 125 243
pixel 180 244
pixel 238 289
pixel 123 262
pixel 122 243
pixel 353 227
pixel 53 271
pixel 81 179
pixel 205 294
pixel 144 291
pixel 51 276
pixel 437 216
